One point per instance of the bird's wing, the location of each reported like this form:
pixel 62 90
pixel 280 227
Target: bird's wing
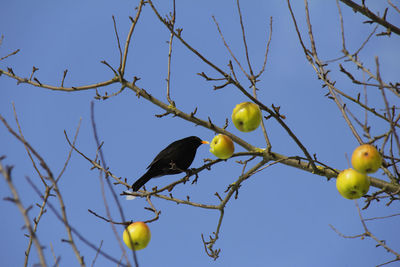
pixel 163 154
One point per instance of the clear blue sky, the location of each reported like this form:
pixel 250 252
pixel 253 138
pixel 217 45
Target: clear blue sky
pixel 282 215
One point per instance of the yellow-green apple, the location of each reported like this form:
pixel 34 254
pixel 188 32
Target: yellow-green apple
pixel 222 146
pixel 137 235
pixel 352 184
pixel 366 158
pixel 246 116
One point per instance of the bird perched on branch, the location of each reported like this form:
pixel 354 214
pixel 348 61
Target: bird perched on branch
pixel 173 159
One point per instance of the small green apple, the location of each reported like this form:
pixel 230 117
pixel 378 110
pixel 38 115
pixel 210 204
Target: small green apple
pixel 137 235
pixel 366 158
pixel 246 116
pixel 352 184
pixel 222 146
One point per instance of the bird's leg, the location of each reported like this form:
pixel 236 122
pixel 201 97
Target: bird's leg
pixel 196 175
pixel 175 167
pixel 188 172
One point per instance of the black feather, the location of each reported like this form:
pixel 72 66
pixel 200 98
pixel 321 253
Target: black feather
pixel 173 159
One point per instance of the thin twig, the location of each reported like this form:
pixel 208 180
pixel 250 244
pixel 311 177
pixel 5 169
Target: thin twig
pixel 368 233
pixel 266 50
pixel 70 152
pixel 382 217
pixel 244 39
pixel 11 54
pixel 111 188
pixel 394 6
pixel 229 49
pixel 171 39
pixel 97 253
pixel 118 42
pixel 29 149
pixel 36 222
pixel 49 176
pixel 73 230
pixel 129 37
pixel 58 88
pixel 6 172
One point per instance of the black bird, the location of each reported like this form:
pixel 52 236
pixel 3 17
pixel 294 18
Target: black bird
pixel 173 159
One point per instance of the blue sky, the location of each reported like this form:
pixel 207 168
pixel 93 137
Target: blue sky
pixel 282 215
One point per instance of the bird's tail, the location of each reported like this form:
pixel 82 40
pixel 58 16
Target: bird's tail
pixel 141 181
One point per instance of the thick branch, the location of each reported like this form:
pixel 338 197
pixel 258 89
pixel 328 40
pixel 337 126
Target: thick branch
pixel 366 12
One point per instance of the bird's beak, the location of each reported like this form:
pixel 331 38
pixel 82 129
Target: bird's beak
pixel 205 142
